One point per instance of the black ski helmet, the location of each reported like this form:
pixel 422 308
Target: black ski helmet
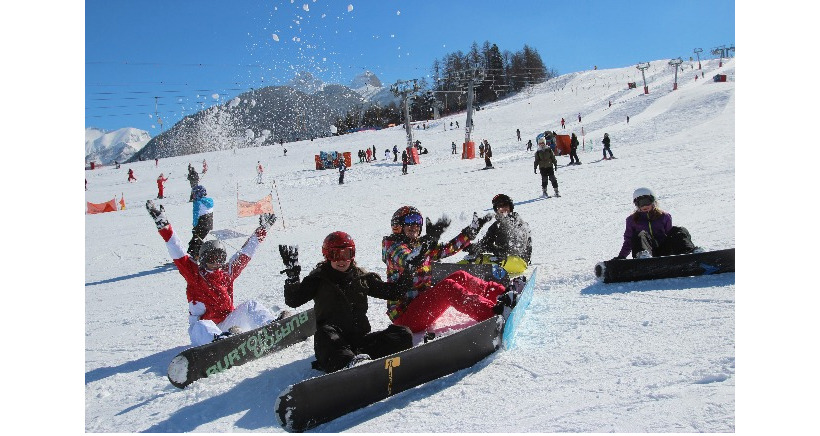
pixel 212 251
pixel 502 199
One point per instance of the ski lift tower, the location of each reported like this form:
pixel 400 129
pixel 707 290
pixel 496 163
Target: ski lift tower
pixel 698 51
pixel 643 66
pixel 675 63
pixel 404 89
pixel 475 76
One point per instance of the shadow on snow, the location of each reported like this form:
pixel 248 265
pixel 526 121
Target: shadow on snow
pixel 157 269
pixel 671 284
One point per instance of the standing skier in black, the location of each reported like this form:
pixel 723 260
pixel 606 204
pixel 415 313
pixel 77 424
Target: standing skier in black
pixel 573 150
pixel 545 162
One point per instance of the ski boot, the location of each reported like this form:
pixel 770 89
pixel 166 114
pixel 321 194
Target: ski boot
pixel 557 194
pixel 545 193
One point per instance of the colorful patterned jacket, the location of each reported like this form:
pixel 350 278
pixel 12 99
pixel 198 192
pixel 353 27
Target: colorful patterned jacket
pixel 395 250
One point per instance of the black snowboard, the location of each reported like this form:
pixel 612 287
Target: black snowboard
pixel 321 399
pixel 683 265
pixel 440 271
pixel 205 360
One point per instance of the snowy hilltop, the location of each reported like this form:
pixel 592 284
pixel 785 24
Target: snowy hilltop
pixel 106 147
pixel 644 357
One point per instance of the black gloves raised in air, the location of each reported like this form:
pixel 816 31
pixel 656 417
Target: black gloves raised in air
pixel 290 257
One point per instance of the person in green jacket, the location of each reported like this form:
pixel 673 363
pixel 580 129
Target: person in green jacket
pixel 545 162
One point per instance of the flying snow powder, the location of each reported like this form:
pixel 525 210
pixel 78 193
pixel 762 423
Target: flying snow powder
pixel 275 37
pixel 215 96
pixel 398 12
pixel 306 7
pixel 350 8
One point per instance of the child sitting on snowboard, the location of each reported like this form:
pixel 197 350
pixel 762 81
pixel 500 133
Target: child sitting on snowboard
pixel 649 231
pixel 339 289
pixel 211 313
pixel 424 303
pixel 509 235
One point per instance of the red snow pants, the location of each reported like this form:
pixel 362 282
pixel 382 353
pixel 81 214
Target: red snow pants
pixel 460 290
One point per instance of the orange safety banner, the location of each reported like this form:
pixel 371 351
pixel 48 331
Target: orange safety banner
pixel 250 208
pixel 108 206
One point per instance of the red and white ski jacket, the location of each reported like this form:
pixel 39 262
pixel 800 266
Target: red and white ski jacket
pixel 213 289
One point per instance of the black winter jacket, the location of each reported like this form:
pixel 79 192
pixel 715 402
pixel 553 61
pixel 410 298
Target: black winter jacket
pixel 340 298
pixel 507 236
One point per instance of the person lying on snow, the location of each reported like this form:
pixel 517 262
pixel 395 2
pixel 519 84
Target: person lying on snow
pixel 211 311
pixel 339 289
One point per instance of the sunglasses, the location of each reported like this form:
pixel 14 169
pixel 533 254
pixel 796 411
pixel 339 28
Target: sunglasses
pixel 644 200
pixel 344 253
pixel 413 219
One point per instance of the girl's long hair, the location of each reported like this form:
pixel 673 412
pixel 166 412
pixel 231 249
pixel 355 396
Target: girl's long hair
pixel 653 214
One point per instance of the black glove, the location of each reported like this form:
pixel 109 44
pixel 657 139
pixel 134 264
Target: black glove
pixel 437 229
pixel 535 171
pixel 472 230
pixel 290 257
pixel 266 220
pixel 157 214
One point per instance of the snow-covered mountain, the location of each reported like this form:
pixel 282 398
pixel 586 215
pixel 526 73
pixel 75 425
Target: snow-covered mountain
pixel 306 82
pixel 106 147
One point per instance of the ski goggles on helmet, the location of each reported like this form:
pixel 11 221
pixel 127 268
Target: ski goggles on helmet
pixel 413 219
pixel 341 253
pixel 644 200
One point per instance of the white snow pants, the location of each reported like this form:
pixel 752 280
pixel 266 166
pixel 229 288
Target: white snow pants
pixel 247 316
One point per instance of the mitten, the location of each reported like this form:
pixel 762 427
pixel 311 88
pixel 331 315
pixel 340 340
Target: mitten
pixel 437 229
pixel 290 257
pixel 157 214
pixel 266 220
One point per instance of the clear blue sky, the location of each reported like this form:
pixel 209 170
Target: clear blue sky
pixel 193 54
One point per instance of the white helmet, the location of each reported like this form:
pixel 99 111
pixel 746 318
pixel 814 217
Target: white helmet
pixel 643 192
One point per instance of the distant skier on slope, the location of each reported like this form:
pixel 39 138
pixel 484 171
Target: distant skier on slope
pixel 203 209
pixel 210 293
pixel 339 289
pixel 546 163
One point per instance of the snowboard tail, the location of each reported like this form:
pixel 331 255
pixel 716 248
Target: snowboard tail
pixel 206 360
pixel 683 265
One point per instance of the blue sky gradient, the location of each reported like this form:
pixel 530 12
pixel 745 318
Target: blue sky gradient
pixel 174 58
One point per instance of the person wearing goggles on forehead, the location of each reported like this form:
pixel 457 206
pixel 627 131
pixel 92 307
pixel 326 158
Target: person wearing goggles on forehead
pixel 409 256
pixel 508 236
pixel 649 231
pixel 210 282
pixel 339 289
